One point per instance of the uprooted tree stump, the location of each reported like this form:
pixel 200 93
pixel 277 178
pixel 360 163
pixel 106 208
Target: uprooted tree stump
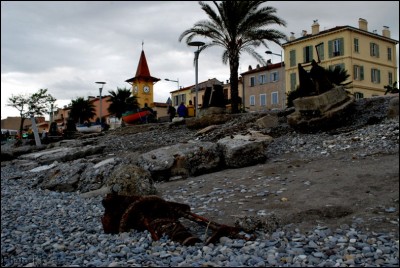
pixel 159 217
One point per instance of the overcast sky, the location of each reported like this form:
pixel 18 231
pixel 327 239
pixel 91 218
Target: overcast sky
pixel 67 46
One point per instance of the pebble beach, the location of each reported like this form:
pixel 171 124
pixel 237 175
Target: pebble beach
pixel 46 228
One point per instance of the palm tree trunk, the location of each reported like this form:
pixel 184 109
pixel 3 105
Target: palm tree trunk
pixel 234 67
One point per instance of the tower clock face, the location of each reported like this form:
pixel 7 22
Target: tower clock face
pixel 146 89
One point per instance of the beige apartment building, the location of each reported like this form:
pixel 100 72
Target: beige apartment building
pixel 264 87
pixel 369 57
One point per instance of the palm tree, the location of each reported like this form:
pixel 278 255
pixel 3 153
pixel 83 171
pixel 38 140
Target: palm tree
pixel 81 110
pixel 122 101
pixel 337 76
pixel 237 26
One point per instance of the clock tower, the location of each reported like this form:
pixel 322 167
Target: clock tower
pixel 142 83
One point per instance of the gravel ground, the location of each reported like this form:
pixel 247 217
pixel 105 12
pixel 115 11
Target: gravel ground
pixel 44 228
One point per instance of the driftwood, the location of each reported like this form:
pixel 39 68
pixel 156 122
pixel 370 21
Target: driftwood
pixel 159 217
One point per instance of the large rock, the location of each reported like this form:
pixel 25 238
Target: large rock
pixel 393 109
pixel 244 150
pixel 63 154
pixel 268 121
pixel 131 180
pixel 182 159
pixel 322 112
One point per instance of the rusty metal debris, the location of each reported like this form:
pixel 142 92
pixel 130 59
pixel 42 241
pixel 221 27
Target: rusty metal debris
pixel 159 217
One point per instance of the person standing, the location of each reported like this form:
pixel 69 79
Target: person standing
pixel 171 112
pixel 190 109
pixel 182 110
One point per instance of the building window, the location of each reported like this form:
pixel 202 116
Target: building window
pixel 263 99
pixel 307 54
pixel 292 59
pixel 389 53
pixel 358 95
pixel 274 97
pixel 252 81
pixel 358 72
pixel 252 100
pixel 293 81
pixel 356 46
pixel 374 50
pixel 274 76
pixel 390 78
pixel 262 79
pixel 375 76
pixel 336 47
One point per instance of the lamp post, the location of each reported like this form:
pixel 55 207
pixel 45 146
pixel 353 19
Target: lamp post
pixel 197 44
pixel 176 81
pixel 270 52
pixel 100 90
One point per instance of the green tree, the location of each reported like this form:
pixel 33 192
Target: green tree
pixel 122 101
pixel 35 104
pixel 391 88
pixel 81 110
pixel 237 26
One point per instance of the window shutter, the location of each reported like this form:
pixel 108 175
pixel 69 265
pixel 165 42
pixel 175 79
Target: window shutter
pixel 277 76
pixel 361 72
pixel 321 52
pixel 377 50
pixel 372 75
pixel 354 71
pixel 371 45
pixel 292 58
pixel 292 81
pixel 304 54
pixel 341 46
pixel 330 48
pixel 311 53
pixel 379 76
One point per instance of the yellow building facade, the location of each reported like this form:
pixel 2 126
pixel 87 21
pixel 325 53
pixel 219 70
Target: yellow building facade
pixel 369 58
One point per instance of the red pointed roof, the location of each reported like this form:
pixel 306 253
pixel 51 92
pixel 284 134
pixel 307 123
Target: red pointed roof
pixel 142 71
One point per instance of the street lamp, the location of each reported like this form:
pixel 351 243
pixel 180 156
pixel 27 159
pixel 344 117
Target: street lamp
pixel 176 81
pixel 100 90
pixel 270 52
pixel 197 44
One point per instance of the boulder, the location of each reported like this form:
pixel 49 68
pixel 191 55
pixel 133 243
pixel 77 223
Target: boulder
pixel 131 180
pixel 182 159
pixel 322 112
pixel 244 150
pixel 393 109
pixel 268 121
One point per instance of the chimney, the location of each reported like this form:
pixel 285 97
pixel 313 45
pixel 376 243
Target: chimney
pixel 258 66
pixel 291 38
pixel 250 68
pixel 362 24
pixel 315 27
pixel 269 62
pixel 304 33
pixel 386 31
